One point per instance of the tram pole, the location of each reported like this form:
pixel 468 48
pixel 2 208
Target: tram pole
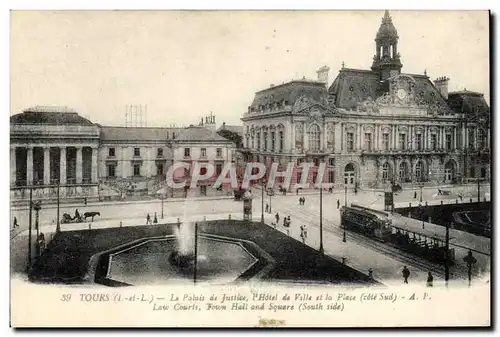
pixel 345 196
pixel 447 255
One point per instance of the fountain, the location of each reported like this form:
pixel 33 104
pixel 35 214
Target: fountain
pixel 184 256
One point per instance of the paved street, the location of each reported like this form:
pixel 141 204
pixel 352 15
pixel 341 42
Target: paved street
pixel 357 253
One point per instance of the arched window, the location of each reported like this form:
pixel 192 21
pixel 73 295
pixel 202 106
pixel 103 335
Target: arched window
pixel 419 170
pixel 314 138
pixel 403 171
pixel 385 171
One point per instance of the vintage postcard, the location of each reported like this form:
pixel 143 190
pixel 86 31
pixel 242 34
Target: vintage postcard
pixel 250 169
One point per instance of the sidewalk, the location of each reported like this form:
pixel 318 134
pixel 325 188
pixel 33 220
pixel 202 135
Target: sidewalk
pixel 126 202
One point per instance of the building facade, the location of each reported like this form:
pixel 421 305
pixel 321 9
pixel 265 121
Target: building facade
pixel 57 151
pixel 372 127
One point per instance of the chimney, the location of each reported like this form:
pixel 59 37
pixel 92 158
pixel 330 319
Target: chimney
pixel 210 122
pixel 441 83
pixel 323 74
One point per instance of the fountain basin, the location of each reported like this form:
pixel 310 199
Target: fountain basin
pixel 157 260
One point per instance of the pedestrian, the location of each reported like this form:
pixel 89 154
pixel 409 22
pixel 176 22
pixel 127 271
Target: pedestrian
pixel 277 216
pixel 300 201
pixel 297 191
pixel 85 201
pixel 406 274
pixel 267 208
pixel 338 203
pixel 305 231
pixel 15 223
pixel 289 222
pixel 303 200
pixel 155 219
pixel 439 192
pixel 430 279
pixel 148 219
pixel 370 273
pixel 415 195
pixel 460 196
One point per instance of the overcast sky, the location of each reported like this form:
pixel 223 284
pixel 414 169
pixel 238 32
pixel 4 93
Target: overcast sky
pixel 183 65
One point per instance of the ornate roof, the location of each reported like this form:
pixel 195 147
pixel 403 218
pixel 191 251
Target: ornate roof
pixel 387 29
pixel 352 86
pixel 287 94
pixel 49 115
pixel 469 102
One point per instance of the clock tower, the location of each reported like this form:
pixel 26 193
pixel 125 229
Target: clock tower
pixel 387 62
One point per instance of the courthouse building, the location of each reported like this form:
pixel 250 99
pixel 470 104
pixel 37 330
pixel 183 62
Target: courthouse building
pixel 372 127
pixel 53 146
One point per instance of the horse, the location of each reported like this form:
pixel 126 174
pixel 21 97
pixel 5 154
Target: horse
pixel 91 215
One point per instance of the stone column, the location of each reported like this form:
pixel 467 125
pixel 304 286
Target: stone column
pixel 46 165
pixel 62 166
pixel 442 145
pixel 79 165
pixel 394 137
pixel 305 137
pixel 94 165
pixel 29 165
pixel 13 165
pixel 455 138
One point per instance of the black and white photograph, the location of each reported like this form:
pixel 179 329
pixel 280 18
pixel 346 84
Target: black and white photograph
pixel 177 168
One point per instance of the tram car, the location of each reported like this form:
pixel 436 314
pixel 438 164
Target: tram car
pixel 372 223
pixel 431 248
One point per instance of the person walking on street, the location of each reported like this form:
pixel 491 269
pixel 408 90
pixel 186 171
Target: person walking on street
pixel 148 219
pixel 15 225
pixel 430 280
pixel 303 200
pixel 370 273
pixel 415 195
pixel 277 216
pixel 338 203
pixel 155 219
pixel 267 208
pixel 406 274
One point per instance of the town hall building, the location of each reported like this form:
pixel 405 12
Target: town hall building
pixel 372 127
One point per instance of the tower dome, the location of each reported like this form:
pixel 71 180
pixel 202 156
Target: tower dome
pixel 387 29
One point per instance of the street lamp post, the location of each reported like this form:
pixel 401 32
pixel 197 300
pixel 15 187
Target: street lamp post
pixel 195 251
pixel 58 225
pixel 447 255
pixel 37 207
pixel 470 260
pixel 421 187
pixel 321 250
pixel 162 197
pixel 262 214
pixel 29 229
pixel 345 197
pixel 478 191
